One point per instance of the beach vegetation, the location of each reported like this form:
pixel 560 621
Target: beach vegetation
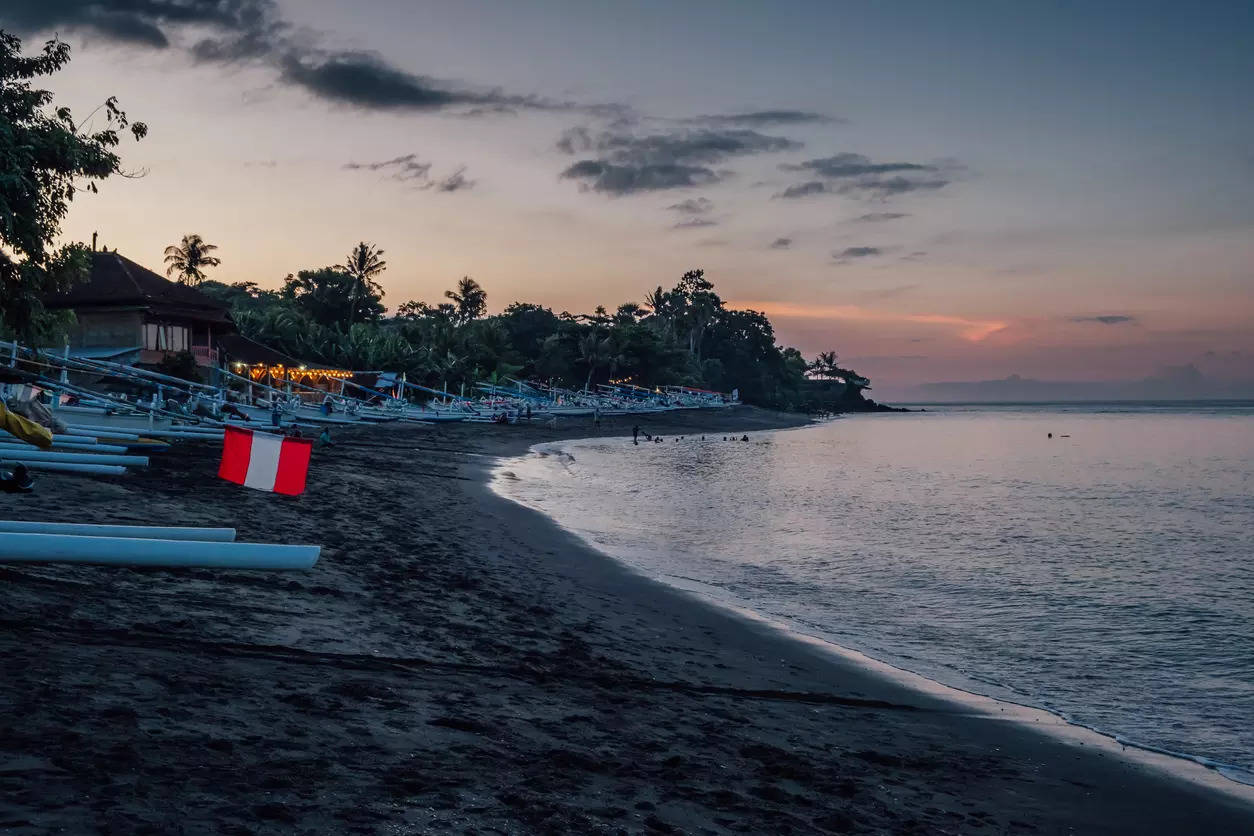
pixel 47 157
pixel 363 267
pixel 188 259
pixel 685 335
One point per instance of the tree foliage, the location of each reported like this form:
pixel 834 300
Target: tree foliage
pixel 685 335
pixel 363 266
pixel 46 158
pixel 189 258
pixel 470 301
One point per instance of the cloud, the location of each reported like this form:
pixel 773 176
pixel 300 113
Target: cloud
pixel 132 22
pixel 803 189
pixel 1106 319
pixel 880 217
pixel 693 206
pixel 694 223
pixel 253 31
pixel 850 165
pixel 857 175
pixel 621 163
pixel 455 182
pixel 625 179
pixel 766 118
pixel 857 252
pixel 781 243
pixel 409 169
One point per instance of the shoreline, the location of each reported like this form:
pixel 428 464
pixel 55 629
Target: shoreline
pixel 457 661
pixel 1195 769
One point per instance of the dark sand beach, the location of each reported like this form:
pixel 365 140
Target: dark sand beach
pixel 457 663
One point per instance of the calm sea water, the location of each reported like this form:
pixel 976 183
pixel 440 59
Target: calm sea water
pixel 1106 575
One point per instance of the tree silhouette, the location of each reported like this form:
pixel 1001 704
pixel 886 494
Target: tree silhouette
pixel 364 263
pixel 825 365
pixel 45 159
pixel 596 352
pixel 469 298
pixel 188 259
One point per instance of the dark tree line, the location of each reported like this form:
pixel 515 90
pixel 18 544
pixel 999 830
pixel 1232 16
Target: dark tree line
pixel 685 335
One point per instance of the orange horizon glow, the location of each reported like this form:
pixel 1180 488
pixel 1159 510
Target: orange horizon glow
pixel 971 330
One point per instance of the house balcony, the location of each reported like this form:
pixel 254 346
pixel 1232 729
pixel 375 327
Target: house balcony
pixel 202 354
pixel 205 356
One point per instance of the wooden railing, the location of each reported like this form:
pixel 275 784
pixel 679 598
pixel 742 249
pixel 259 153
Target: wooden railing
pixel 205 356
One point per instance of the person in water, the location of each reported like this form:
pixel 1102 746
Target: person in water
pixel 324 438
pixel 744 438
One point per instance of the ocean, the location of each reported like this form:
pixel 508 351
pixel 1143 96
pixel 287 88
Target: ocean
pixel 1105 574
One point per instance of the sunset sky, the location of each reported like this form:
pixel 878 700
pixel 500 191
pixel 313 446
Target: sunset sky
pixel 936 190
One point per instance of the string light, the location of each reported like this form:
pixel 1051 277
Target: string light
pixel 261 370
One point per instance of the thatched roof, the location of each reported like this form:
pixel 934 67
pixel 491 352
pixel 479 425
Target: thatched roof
pixel 116 281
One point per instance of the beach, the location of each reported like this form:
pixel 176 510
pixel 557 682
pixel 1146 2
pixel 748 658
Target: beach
pixel 458 663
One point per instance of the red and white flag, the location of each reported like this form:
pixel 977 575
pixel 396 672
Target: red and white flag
pixel 265 462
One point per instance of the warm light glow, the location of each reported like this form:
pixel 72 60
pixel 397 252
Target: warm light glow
pixel 972 330
pixel 298 375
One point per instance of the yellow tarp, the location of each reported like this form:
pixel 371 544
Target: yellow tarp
pixel 25 429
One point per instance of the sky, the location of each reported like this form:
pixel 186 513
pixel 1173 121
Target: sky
pixel 936 191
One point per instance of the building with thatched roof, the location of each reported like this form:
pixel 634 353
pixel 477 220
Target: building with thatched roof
pixel 127 312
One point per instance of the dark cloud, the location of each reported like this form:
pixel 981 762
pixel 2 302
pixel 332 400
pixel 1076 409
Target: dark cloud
pixel 365 80
pixel 858 176
pixel 695 223
pixel 253 31
pixel 703 146
pixel 850 165
pixel 803 189
pixel 409 169
pixel 612 179
pixel 1106 319
pixel 693 206
pixel 766 118
pixel 781 243
pixel 136 22
pixel 622 163
pixel 917 255
pixel 455 182
pixel 880 217
pixel 852 254
pixel 859 252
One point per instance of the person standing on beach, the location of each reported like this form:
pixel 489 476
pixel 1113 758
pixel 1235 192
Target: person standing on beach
pixel 635 433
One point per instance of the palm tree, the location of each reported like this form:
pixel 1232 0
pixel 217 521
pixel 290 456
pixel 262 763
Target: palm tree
pixel 189 258
pixel 825 365
pixel 596 352
pixel 627 313
pixel 363 264
pixel 469 298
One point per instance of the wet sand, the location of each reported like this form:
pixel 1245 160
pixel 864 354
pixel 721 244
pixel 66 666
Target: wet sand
pixel 457 663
